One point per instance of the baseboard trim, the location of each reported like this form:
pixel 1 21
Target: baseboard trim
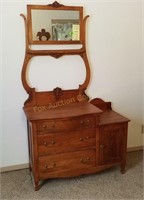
pixel 26 165
pixel 14 167
pixel 131 149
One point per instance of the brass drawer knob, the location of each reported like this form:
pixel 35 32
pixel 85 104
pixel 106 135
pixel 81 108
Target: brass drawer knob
pixel 46 166
pixel 53 142
pixel 81 139
pixel 53 125
pixel 45 143
pixel 85 160
pixel 44 126
pixel 53 165
pixel 101 146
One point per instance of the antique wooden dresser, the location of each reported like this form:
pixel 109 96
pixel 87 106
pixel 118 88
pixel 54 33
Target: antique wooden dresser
pixel 69 134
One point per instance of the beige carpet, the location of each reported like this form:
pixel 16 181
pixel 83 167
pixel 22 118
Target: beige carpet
pixel 109 184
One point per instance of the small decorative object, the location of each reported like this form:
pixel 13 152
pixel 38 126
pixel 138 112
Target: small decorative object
pixel 43 35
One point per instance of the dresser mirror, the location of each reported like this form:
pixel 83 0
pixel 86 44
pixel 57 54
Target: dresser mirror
pixel 54 24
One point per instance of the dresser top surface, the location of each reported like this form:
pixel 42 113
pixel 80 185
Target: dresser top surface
pixel 112 117
pixel 71 110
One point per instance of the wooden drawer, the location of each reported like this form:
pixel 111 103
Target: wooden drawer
pixel 62 142
pixel 66 161
pixel 65 125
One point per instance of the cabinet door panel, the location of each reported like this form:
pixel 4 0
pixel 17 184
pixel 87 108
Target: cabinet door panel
pixel 111 143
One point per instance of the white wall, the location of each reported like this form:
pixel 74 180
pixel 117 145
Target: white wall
pixel 114 38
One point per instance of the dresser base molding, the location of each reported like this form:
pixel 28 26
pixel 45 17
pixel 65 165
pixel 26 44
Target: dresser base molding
pixel 71 174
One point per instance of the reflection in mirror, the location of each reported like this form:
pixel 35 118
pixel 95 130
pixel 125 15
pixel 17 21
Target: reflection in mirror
pixel 55 25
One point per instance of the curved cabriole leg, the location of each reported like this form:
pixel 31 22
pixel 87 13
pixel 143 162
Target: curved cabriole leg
pixel 36 185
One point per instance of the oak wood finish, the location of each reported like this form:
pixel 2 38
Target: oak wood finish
pixel 30 53
pixel 75 139
pixel 68 135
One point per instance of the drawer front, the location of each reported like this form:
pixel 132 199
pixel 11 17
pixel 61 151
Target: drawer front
pixel 62 142
pixel 66 161
pixel 64 125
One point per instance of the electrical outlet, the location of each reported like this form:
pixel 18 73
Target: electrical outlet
pixel 142 128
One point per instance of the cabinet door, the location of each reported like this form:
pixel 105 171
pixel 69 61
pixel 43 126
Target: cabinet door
pixel 112 143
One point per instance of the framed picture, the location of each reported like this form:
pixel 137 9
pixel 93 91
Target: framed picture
pixel 63 30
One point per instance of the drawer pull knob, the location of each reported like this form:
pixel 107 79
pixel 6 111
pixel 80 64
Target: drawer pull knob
pixel 53 124
pixel 87 137
pixel 81 139
pixel 82 122
pixel 88 120
pixel 53 165
pixel 102 146
pixel 45 143
pixel 85 160
pixel 44 126
pixel 46 166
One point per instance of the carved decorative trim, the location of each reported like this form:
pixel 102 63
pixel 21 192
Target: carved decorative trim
pixel 57 92
pixel 56 55
pixel 101 104
pixel 55 4
pixel 31 96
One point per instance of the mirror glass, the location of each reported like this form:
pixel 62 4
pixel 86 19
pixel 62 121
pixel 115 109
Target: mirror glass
pixel 55 25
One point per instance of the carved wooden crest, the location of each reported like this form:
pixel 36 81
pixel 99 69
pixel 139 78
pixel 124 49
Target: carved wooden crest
pixel 55 4
pixel 57 92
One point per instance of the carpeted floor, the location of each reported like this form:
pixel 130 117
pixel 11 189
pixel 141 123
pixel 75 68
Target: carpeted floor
pixel 109 184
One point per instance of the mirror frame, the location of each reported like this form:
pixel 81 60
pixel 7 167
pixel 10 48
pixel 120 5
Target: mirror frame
pixel 55 6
